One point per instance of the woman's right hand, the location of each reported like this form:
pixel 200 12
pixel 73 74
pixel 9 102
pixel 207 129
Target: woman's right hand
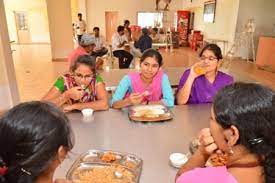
pixel 136 98
pixel 74 93
pixel 207 143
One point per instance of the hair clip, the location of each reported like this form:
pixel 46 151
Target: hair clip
pixel 19 154
pixel 3 170
pixel 256 141
pixel 26 172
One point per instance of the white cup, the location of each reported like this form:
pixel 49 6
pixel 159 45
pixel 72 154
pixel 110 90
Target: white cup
pixel 88 112
pixel 178 159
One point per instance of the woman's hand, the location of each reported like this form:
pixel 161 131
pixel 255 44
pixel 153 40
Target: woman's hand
pixel 207 143
pixel 68 108
pixel 206 147
pixel 74 93
pixel 136 98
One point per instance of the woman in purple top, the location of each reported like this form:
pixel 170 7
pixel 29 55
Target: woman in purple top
pixel 200 83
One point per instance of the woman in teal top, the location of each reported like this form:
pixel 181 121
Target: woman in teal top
pixel 149 86
pixel 80 88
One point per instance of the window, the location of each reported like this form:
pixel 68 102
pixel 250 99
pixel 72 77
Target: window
pixel 21 20
pixel 209 11
pixel 150 19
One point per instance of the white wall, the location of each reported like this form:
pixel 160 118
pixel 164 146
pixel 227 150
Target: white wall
pixel 127 10
pixel 60 26
pixel 263 12
pixel 9 95
pixel 225 18
pixel 78 6
pixel 37 19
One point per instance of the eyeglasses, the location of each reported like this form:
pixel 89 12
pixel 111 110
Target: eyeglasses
pixel 203 58
pixel 80 76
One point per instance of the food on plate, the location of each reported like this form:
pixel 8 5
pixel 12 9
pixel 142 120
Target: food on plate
pixel 131 164
pixel 149 111
pixel 105 175
pixel 108 157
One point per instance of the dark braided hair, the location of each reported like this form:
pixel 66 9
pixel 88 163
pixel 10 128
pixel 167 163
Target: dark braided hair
pixel 152 53
pixel 251 108
pixel 214 48
pixel 87 60
pixel 30 136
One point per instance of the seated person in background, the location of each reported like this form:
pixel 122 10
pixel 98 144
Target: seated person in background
pixel 127 30
pixel 35 138
pixel 118 42
pixel 100 48
pixel 200 83
pixel 242 128
pixel 144 42
pixel 86 46
pixel 81 88
pixel 150 86
pixel 154 35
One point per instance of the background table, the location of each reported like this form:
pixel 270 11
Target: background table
pixel 112 130
pixel 113 76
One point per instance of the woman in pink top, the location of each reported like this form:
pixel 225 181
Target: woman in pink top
pixel 242 127
pixel 149 86
pixel 86 46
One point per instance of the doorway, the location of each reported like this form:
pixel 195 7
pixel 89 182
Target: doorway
pixel 111 23
pixel 22 28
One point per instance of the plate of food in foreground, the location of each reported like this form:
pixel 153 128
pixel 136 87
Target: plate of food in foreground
pixel 98 166
pixel 150 113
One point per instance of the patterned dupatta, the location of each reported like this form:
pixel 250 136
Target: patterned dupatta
pixel 89 91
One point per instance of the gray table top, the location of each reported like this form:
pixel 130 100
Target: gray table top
pixel 112 130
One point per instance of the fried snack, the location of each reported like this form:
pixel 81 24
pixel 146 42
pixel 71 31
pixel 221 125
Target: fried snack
pixel 219 159
pixel 108 157
pixel 130 164
pixel 105 175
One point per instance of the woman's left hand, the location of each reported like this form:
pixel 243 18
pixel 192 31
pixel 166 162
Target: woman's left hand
pixel 68 108
pixel 207 143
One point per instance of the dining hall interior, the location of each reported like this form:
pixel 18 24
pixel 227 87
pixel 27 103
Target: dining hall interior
pixel 136 84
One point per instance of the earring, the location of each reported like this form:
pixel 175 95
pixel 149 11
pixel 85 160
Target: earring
pixel 231 151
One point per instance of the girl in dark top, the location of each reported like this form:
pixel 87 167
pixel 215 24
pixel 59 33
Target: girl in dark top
pixel 35 138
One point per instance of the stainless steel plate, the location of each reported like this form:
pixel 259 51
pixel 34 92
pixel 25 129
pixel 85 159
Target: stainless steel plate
pixel 92 159
pixel 165 115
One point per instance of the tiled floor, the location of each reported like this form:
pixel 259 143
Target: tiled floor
pixel 36 72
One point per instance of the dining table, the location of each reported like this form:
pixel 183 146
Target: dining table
pixel 152 142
